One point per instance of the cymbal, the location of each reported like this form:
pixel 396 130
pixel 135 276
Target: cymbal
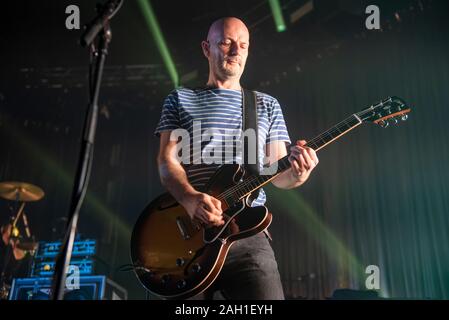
pixel 20 191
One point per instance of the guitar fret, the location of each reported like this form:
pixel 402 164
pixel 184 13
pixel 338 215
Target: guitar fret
pixel 262 179
pixel 230 201
pixel 254 182
pixel 227 202
pixel 247 188
pixel 240 193
pixel 313 145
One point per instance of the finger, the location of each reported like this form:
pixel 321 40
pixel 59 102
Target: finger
pixel 295 166
pixel 314 156
pixel 220 216
pixel 214 204
pixel 208 211
pixel 298 160
pixel 295 149
pixel 301 142
pixel 210 206
pixel 303 163
pixel 213 218
pixel 219 222
pixel 294 154
pixel 310 163
pixel 204 216
pixel 301 149
pixel 201 215
pixel 217 203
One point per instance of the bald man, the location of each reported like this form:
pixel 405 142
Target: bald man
pixel 250 270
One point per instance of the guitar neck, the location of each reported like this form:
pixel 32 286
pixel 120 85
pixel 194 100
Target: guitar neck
pixel 254 182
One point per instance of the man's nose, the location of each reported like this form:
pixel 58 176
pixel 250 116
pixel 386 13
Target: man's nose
pixel 235 49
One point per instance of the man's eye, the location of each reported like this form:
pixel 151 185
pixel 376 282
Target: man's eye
pixel 225 43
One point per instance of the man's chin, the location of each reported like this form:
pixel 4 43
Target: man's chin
pixel 231 72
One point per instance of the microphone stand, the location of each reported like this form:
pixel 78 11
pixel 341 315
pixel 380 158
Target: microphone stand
pixel 84 162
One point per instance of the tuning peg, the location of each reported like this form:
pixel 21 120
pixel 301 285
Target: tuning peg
pixel 394 120
pixel 404 117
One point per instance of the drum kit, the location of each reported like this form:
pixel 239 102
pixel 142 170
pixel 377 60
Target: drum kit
pixel 20 193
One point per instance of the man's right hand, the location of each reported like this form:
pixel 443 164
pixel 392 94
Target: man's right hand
pixel 204 208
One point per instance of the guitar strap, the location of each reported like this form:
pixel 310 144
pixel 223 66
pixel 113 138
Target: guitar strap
pixel 249 121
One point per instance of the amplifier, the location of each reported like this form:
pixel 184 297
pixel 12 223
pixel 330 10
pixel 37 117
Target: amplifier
pixel 90 288
pixel 80 248
pixel 44 268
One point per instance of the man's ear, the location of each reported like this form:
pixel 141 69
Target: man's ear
pixel 206 48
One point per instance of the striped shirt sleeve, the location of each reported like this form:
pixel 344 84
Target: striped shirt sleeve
pixel 170 115
pixel 277 128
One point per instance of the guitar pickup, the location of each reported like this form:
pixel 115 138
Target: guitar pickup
pixel 182 228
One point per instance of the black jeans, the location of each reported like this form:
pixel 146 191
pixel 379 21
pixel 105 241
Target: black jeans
pixel 250 272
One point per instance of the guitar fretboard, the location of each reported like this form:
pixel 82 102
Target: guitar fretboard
pixel 254 182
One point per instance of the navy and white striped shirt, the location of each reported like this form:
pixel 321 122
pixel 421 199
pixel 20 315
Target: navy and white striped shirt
pixel 219 111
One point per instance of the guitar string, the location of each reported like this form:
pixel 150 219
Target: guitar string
pixel 252 179
pixel 342 124
pixel 313 141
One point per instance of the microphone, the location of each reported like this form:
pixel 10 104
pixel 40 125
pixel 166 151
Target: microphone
pixel 105 13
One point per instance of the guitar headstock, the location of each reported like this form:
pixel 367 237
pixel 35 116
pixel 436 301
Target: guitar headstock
pixel 390 110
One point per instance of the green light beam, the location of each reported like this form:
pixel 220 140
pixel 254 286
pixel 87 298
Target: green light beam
pixel 153 26
pixel 36 152
pixel 277 15
pixel 295 205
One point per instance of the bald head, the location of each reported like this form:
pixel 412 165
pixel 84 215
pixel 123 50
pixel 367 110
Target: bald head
pixel 217 27
pixel 226 49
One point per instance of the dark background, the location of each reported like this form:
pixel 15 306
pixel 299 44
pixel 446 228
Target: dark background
pixel 378 197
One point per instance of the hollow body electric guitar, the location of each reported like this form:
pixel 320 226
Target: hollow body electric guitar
pixel 175 257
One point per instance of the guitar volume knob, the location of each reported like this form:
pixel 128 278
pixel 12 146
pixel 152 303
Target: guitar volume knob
pixel 196 268
pixel 180 262
pixel 181 284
